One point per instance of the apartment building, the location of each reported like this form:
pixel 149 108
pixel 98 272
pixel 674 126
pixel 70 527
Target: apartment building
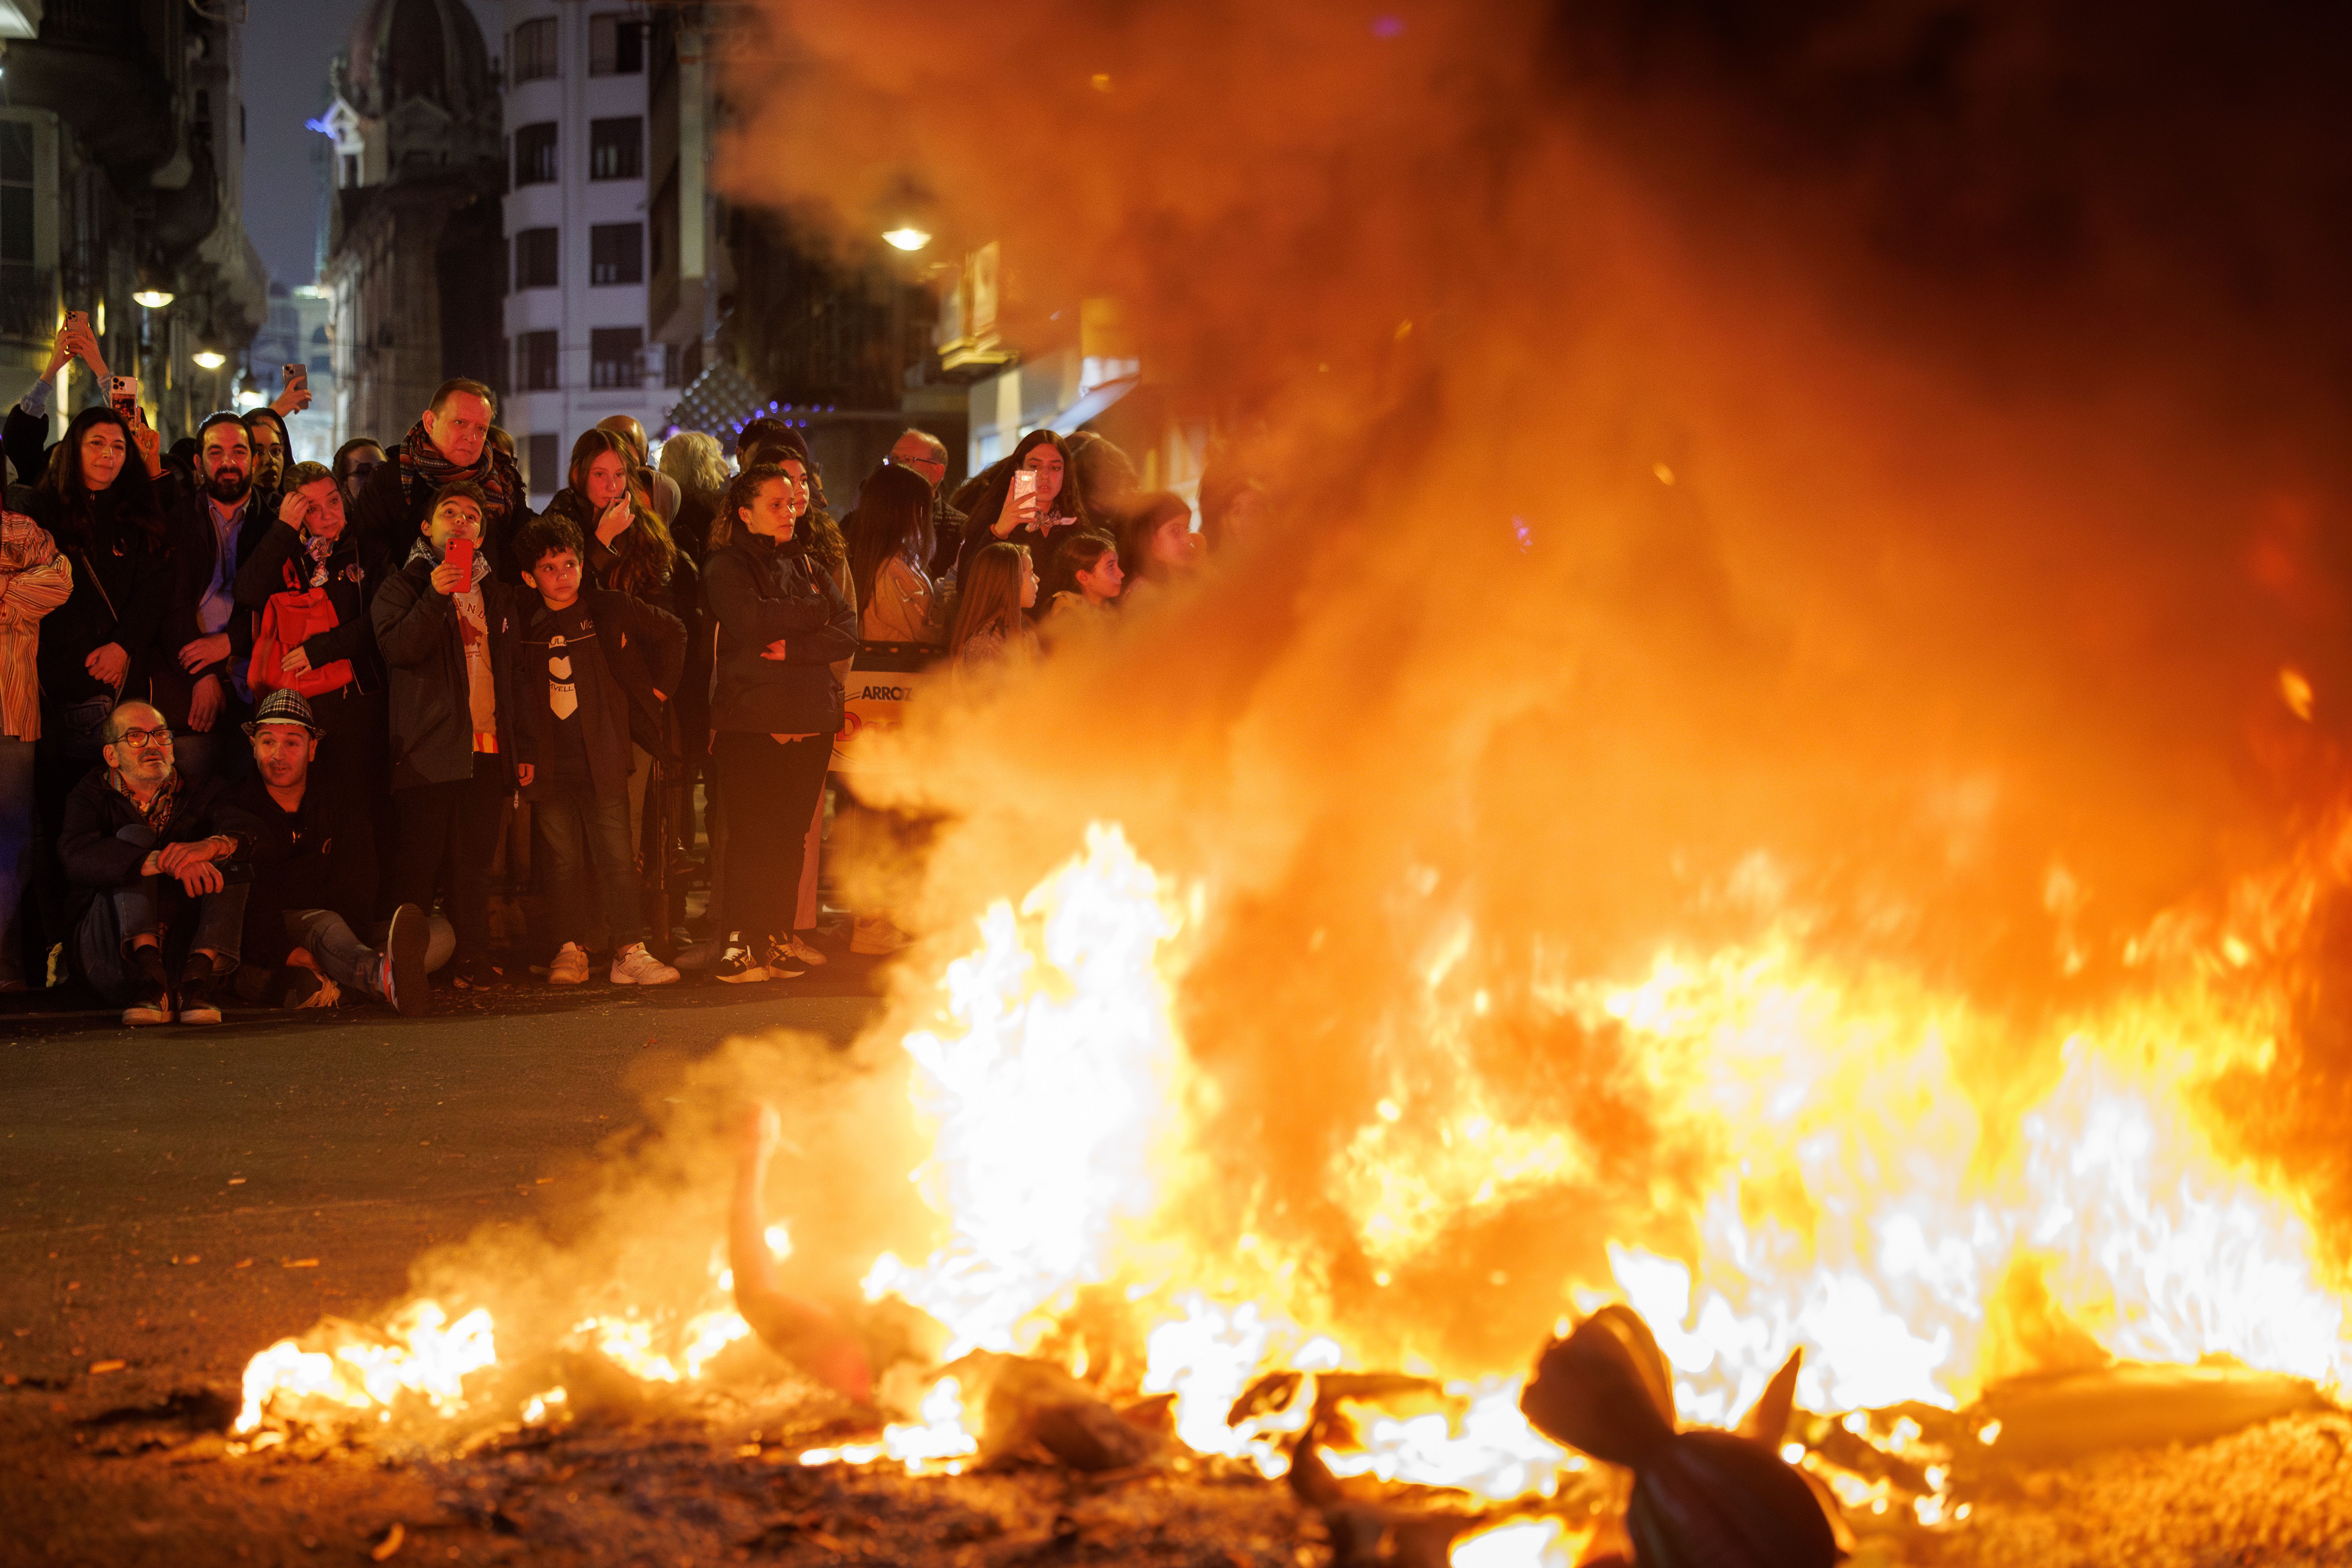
pixel 576 227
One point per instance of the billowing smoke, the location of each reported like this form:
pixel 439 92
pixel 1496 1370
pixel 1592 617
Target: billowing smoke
pixel 1873 470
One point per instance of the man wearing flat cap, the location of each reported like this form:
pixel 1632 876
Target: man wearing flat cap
pixel 314 880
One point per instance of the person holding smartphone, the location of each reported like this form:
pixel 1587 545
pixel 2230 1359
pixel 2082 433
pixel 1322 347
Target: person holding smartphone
pixel 1033 504
pixel 445 626
pixel 24 435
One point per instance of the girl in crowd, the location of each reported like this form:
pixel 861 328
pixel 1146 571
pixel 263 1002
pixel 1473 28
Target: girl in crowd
pixel 782 622
pixel 890 534
pixel 1156 542
pixel 1086 576
pixel 999 587
pixel 101 502
pixel 694 460
pixel 1040 511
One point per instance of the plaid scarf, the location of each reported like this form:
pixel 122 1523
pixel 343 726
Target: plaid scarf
pixel 157 812
pixel 421 462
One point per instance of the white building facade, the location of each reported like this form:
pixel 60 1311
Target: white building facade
pixel 576 223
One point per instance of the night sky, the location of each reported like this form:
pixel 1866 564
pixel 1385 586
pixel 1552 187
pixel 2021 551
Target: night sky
pixel 288 46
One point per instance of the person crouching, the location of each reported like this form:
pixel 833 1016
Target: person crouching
pixel 314 872
pixel 583 658
pixel 151 857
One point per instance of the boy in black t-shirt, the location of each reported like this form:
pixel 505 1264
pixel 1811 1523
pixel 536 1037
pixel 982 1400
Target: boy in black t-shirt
pixel 583 658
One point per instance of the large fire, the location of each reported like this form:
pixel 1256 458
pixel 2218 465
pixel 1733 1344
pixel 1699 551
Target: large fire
pixel 1861 1207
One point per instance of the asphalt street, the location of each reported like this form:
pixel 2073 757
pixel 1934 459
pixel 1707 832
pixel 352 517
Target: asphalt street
pixel 173 1199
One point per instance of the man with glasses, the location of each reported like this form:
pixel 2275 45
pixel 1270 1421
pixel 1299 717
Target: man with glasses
pixel 927 455
pixel 152 858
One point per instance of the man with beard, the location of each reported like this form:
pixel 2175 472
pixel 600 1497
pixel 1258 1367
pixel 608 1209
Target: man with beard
pixel 448 444
pixel 201 688
pixel 314 877
pixel 152 856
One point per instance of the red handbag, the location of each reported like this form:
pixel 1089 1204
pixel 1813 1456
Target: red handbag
pixel 286 621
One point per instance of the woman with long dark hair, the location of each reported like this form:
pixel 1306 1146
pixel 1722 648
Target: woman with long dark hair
pixel 1156 542
pixel 781 622
pixel 99 501
pixel 889 541
pixel 1034 502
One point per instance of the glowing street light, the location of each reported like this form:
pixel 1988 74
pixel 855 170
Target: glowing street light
pixel 907 237
pixel 154 299
pixel 211 359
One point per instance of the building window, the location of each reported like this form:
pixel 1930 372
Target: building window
pixel 536 365
pixel 616 148
pixel 532 54
pixel 673 365
pixel 616 46
pixel 350 169
pixel 535 252
pixel 617 253
pixel 534 154
pixel 613 357
pixel 542 464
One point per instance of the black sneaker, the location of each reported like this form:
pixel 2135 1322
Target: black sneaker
pixel 195 999
pixel 776 955
pixel 400 974
pixel 473 974
pixel 738 964
pixel 152 1000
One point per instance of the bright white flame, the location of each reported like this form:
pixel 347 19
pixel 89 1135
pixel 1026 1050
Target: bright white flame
pixel 907 237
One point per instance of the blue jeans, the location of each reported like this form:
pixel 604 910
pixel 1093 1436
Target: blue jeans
pixel 18 835
pixel 342 956
pixel 136 908
pixel 571 820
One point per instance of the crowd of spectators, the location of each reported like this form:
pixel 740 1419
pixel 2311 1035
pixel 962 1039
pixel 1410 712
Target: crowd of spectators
pixel 270 730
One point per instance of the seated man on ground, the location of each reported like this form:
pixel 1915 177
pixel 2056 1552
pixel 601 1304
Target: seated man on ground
pixel 314 880
pixel 146 851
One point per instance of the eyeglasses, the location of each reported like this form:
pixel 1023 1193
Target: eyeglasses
pixel 140 737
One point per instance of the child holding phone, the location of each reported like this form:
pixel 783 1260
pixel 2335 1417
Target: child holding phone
pixel 446 629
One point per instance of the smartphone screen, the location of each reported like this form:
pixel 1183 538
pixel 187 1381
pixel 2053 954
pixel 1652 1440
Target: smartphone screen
pixel 461 555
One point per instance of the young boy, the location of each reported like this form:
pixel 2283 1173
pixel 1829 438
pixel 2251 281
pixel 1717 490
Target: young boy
pixel 447 633
pixel 583 658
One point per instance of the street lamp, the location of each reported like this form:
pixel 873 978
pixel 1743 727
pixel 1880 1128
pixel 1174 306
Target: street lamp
pixel 154 299
pixel 210 359
pixel 907 237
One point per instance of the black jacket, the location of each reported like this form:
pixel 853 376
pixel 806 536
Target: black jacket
pixel 188 526
pixel 757 593
pixel 122 581
pixel 393 506
pixel 637 652
pixel 95 859
pixel 416 632
pixel 356 570
pixel 318 857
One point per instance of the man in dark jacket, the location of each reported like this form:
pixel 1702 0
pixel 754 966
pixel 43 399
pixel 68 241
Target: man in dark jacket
pixel 200 679
pixel 313 885
pixel 776 708
pixel 450 442
pixel 447 633
pixel 145 846
pixel 585 659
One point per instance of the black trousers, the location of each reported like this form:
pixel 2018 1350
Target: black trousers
pixel 772 788
pixel 448 835
pixel 355 763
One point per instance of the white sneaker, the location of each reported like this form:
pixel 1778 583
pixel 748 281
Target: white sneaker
pixel 635 966
pixel 794 947
pixel 571 967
